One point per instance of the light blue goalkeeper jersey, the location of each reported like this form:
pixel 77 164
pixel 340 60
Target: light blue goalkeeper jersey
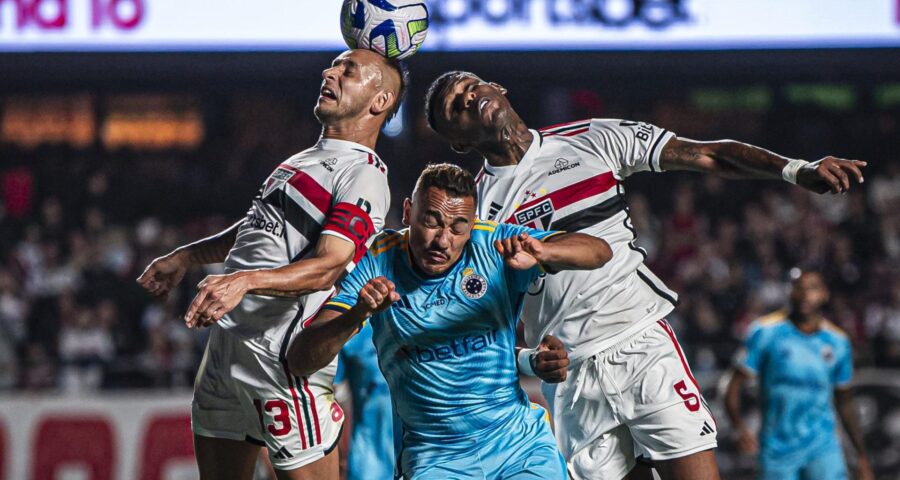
pixel 798 373
pixel 447 347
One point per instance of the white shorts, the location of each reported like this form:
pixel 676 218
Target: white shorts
pixel 636 398
pixel 243 393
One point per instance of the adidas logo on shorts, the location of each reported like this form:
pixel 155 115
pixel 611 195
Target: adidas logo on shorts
pixel 706 429
pixel 283 454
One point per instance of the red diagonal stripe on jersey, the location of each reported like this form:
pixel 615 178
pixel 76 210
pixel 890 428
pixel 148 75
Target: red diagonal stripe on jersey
pixel 571 133
pixel 561 125
pixel 310 189
pixel 577 191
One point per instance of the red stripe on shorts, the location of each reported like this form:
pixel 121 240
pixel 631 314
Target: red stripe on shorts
pixel 668 328
pixel 312 403
pixel 296 406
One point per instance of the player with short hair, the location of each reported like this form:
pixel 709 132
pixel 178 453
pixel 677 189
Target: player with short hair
pixel 630 391
pixel 443 298
pixel 312 220
pixel 804 364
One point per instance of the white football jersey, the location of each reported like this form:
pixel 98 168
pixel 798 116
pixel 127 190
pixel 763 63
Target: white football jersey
pixel 569 179
pixel 334 188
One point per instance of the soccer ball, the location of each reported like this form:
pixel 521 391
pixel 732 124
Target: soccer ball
pixel 393 28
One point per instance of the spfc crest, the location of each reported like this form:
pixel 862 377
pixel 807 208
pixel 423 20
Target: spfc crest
pixel 536 216
pixel 473 285
pixel 276 180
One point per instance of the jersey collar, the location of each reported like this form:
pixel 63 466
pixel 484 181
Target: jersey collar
pixel 342 146
pixel 533 151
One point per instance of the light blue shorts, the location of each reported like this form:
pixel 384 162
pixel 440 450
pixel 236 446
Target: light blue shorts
pixel 524 450
pixel 827 464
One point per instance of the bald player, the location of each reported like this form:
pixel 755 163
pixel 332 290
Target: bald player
pixel 312 220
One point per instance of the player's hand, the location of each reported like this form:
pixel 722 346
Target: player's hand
pixel 551 362
pixel 163 274
pixel 520 252
pixel 376 296
pixel 216 296
pixel 830 174
pixel 746 442
pixel 864 469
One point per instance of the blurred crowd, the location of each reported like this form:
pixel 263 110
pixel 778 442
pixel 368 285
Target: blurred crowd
pixel 78 225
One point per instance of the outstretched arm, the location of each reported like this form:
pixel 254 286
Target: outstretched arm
pixel 164 273
pixel 318 343
pixel 849 413
pixel 740 160
pixel 566 251
pixel 219 294
pixel 746 440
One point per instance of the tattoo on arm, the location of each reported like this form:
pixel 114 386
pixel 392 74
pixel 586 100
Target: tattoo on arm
pixel 727 158
pixel 215 248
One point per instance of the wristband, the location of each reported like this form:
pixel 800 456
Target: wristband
pixel 789 172
pixel 524 361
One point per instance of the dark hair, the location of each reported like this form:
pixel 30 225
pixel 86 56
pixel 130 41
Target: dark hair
pixel 400 67
pixel 453 179
pixel 439 88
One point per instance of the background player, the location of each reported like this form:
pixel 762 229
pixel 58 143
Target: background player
pixel 372 441
pixel 631 392
pixel 312 219
pixel 802 361
pixel 444 307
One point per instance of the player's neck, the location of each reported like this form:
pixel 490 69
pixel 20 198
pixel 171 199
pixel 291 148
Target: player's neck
pixel 807 323
pixel 515 141
pixel 358 132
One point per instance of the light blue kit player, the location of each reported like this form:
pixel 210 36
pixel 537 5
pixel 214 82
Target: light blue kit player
pixel 801 360
pixel 444 297
pixel 372 441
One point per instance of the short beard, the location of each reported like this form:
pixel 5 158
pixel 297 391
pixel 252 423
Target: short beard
pixel 325 117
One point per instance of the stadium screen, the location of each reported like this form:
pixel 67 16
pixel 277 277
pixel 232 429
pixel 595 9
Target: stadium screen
pixel 456 25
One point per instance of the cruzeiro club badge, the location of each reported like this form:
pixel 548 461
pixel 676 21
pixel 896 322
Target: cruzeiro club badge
pixel 473 285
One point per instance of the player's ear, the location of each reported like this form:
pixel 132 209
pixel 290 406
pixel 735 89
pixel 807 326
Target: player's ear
pixel 382 102
pixel 499 87
pixel 407 209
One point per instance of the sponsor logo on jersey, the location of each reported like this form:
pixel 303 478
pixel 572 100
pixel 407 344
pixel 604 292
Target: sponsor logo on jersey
pixel 473 285
pixel 328 163
pixel 405 303
pixel 276 180
pixel 561 165
pixel 536 216
pixel 457 348
pixel 261 223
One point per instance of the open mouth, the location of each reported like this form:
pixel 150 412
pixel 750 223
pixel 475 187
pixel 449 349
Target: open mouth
pixel 326 92
pixel 482 104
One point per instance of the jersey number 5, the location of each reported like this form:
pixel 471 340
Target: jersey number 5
pixel 691 401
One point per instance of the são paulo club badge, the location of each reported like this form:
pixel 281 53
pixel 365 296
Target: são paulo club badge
pixel 473 285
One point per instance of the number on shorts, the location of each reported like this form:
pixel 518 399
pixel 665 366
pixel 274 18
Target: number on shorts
pixel 691 401
pixel 337 414
pixel 282 419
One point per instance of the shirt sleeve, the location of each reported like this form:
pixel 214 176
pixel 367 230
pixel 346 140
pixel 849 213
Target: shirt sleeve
pixel 520 279
pixel 843 367
pixel 359 206
pixel 627 147
pixel 350 286
pixel 749 357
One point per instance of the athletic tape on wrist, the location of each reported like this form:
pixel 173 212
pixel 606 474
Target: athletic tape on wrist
pixel 789 172
pixel 523 361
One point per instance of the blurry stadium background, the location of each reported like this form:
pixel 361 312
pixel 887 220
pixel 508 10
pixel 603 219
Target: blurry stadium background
pixel 128 127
